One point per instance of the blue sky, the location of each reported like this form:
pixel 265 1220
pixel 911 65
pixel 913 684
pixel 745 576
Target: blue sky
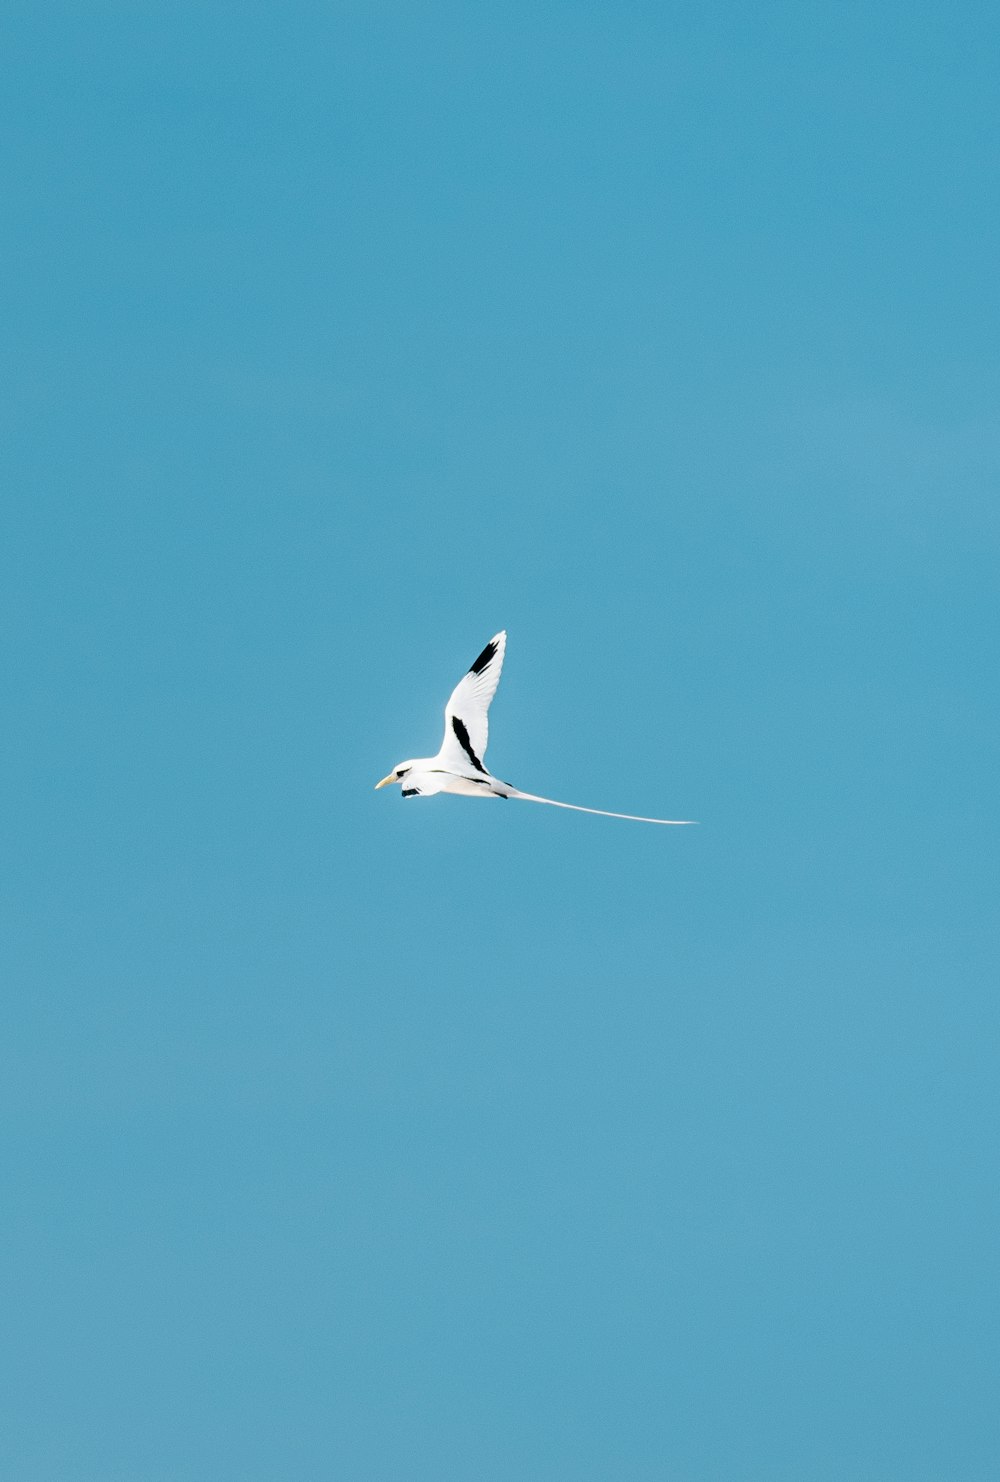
pixel 348 1138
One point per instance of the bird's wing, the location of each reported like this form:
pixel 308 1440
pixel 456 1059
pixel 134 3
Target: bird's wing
pixel 529 797
pixel 466 728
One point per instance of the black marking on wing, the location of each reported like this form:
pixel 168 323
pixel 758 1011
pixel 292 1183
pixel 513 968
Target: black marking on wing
pixel 411 792
pixel 458 726
pixel 483 660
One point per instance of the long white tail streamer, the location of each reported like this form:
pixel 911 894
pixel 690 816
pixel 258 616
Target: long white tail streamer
pixel 530 797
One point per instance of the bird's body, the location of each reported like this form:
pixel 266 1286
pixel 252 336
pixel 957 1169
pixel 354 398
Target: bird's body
pixel 425 777
pixel 459 766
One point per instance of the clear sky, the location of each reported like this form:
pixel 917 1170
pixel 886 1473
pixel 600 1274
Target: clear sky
pixel 348 1138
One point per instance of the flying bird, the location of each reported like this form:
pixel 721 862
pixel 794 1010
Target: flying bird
pixel 459 766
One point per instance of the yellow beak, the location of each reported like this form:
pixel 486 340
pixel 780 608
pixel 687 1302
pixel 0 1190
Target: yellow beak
pixel 391 778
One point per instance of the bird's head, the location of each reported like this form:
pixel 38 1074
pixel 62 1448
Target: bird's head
pixel 397 774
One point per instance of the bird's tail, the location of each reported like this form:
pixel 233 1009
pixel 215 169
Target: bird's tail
pixel 529 797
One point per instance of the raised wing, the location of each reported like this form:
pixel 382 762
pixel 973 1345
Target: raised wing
pixel 466 728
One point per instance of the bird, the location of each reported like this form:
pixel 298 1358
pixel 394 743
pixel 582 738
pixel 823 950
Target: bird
pixel 459 766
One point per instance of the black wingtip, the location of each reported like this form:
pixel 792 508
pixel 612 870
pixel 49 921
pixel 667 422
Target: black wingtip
pixel 484 658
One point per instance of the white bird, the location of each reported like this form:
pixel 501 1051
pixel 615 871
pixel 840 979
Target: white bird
pixel 458 766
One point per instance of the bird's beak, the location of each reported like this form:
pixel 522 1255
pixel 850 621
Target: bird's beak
pixel 391 778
